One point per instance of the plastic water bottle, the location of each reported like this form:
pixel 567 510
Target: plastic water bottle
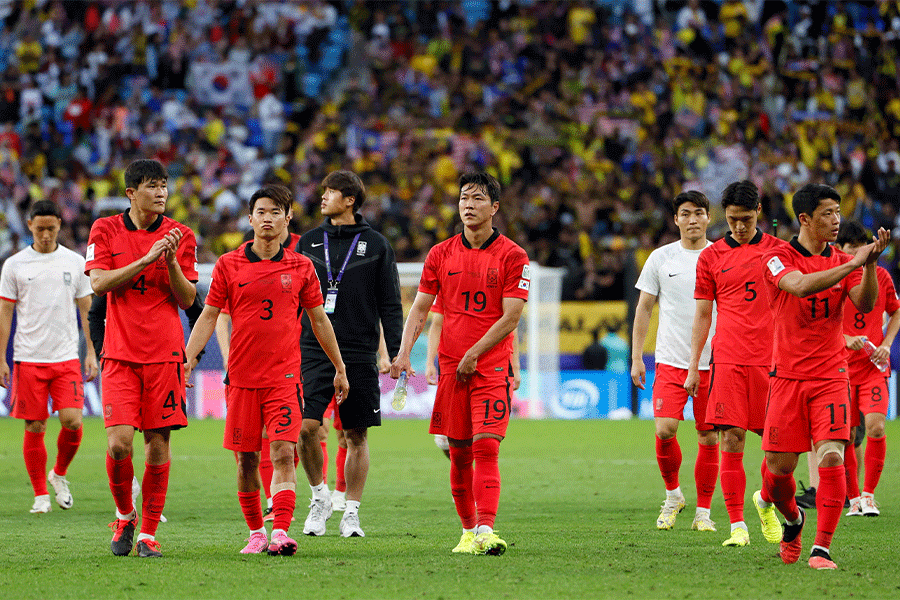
pixel 399 400
pixel 869 349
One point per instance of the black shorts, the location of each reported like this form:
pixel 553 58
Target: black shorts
pixel 361 408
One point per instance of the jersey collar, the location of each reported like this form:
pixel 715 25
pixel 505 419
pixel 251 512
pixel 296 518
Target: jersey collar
pixel 253 257
pixel 130 226
pixel 733 244
pixel 828 251
pixel 486 243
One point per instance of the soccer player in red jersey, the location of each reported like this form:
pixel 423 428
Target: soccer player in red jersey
pixel 809 395
pixel 265 286
pixel 146 263
pixel 730 274
pixel 483 279
pixel 43 284
pixel 868 385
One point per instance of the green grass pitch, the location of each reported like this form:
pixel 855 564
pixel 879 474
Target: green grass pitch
pixel 578 508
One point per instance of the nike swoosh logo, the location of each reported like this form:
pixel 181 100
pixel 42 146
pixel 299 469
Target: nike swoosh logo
pixel 833 429
pixel 674 274
pixel 167 416
pixel 116 253
pixel 279 431
pixel 316 245
pixel 451 273
pixel 243 284
pixel 377 410
pixel 726 270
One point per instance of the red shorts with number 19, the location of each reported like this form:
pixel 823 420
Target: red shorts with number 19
pixel 869 396
pixel 32 383
pixel 145 396
pixel 464 409
pixel 278 409
pixel 670 397
pixel 800 411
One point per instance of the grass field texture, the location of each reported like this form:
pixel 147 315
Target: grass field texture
pixel 578 508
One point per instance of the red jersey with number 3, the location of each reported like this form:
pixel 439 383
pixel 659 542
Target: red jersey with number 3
pixel 731 274
pixel 869 324
pixel 472 283
pixel 809 343
pixel 142 322
pixel 265 298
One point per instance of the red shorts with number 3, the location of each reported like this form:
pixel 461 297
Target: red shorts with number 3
pixel 278 409
pixel 800 411
pixel 870 396
pixel 670 397
pixel 464 409
pixel 32 383
pixel 146 397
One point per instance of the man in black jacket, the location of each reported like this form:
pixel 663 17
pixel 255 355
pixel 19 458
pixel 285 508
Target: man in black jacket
pixel 358 273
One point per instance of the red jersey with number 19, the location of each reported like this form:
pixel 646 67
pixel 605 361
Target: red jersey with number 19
pixel 142 322
pixel 809 343
pixel 472 283
pixel 265 298
pixel 731 274
pixel 869 324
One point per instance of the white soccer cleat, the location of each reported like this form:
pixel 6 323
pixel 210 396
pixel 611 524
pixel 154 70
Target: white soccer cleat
pixel 669 510
pixel 41 504
pixel 869 508
pixel 319 512
pixel 339 500
pixel 61 487
pixel 350 526
pixel 855 508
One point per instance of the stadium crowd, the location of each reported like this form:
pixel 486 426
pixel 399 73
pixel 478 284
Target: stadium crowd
pixel 592 114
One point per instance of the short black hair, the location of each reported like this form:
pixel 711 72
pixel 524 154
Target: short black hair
pixel 276 192
pixel 743 194
pixel 347 183
pixel 485 181
pixel 144 169
pixel 853 233
pixel 44 208
pixel 698 198
pixel 807 199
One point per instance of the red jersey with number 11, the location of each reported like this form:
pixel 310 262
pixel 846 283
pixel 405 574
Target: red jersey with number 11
pixel 472 283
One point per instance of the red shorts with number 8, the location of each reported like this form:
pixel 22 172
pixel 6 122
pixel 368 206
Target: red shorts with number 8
pixel 464 409
pixel 868 396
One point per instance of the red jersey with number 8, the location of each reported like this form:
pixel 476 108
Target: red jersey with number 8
pixel 472 283
pixel 869 324
pixel 142 322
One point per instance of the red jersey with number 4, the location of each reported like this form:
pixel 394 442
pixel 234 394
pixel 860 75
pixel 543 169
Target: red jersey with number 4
pixel 869 324
pixel 809 343
pixel 731 274
pixel 142 322
pixel 265 298
pixel 472 283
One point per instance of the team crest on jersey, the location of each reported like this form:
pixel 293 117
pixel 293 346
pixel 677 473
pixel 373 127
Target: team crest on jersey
pixel 720 410
pixel 236 436
pixel 773 435
pixel 526 272
pixel 361 248
pixel 493 277
pixel 285 282
pixel 107 411
pixel 67 278
pixel 659 403
pixel 524 284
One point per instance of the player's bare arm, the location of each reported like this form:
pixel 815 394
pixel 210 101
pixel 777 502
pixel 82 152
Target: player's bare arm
pixel 321 325
pixel 6 315
pixel 883 351
pixel 853 342
pixel 200 334
pixel 105 280
pixel 638 336
pixel 91 368
pixel 183 290
pixel 516 366
pixel 384 361
pixel 865 294
pixel 434 338
pixel 699 333
pixel 415 324
pixel 223 337
pixel 506 324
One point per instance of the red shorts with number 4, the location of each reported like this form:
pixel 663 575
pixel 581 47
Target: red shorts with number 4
pixel 278 409
pixel 32 383
pixel 145 396
pixel 800 411
pixel 464 409
pixel 737 396
pixel 870 396
pixel 670 397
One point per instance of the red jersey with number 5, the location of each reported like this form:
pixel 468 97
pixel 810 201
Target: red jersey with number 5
pixel 472 283
pixel 265 298
pixel 142 322
pixel 869 324
pixel 809 343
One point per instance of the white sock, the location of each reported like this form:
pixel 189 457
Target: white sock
pixel 352 507
pixel 676 493
pixel 797 522
pixel 145 536
pixel 268 503
pixel 739 524
pixel 320 492
pixel 274 531
pixel 484 529
pixel 261 530
pixel 127 517
pixel 822 548
pixel 470 530
pixel 763 504
pixel 337 494
pixel 857 499
pixel 704 512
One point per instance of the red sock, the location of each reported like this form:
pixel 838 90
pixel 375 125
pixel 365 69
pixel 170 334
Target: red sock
pixel 829 502
pixel 851 468
pixel 35 454
pixel 265 468
pixel 66 446
pixel 120 473
pixel 734 484
pixel 154 488
pixel 780 490
pixel 283 504
pixel 668 455
pixel 324 462
pixel 706 471
pixel 340 484
pixel 461 479
pixel 252 511
pixel 486 479
pixel 874 461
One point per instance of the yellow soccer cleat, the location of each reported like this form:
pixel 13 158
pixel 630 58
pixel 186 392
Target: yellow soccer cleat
pixel 739 537
pixel 771 528
pixel 489 543
pixel 670 509
pixel 703 523
pixel 466 543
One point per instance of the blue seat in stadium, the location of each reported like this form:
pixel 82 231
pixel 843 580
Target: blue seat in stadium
pixel 312 84
pixel 254 133
pixel 332 56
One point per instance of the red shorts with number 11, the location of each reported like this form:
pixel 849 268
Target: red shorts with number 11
pixel 464 409
pixel 32 383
